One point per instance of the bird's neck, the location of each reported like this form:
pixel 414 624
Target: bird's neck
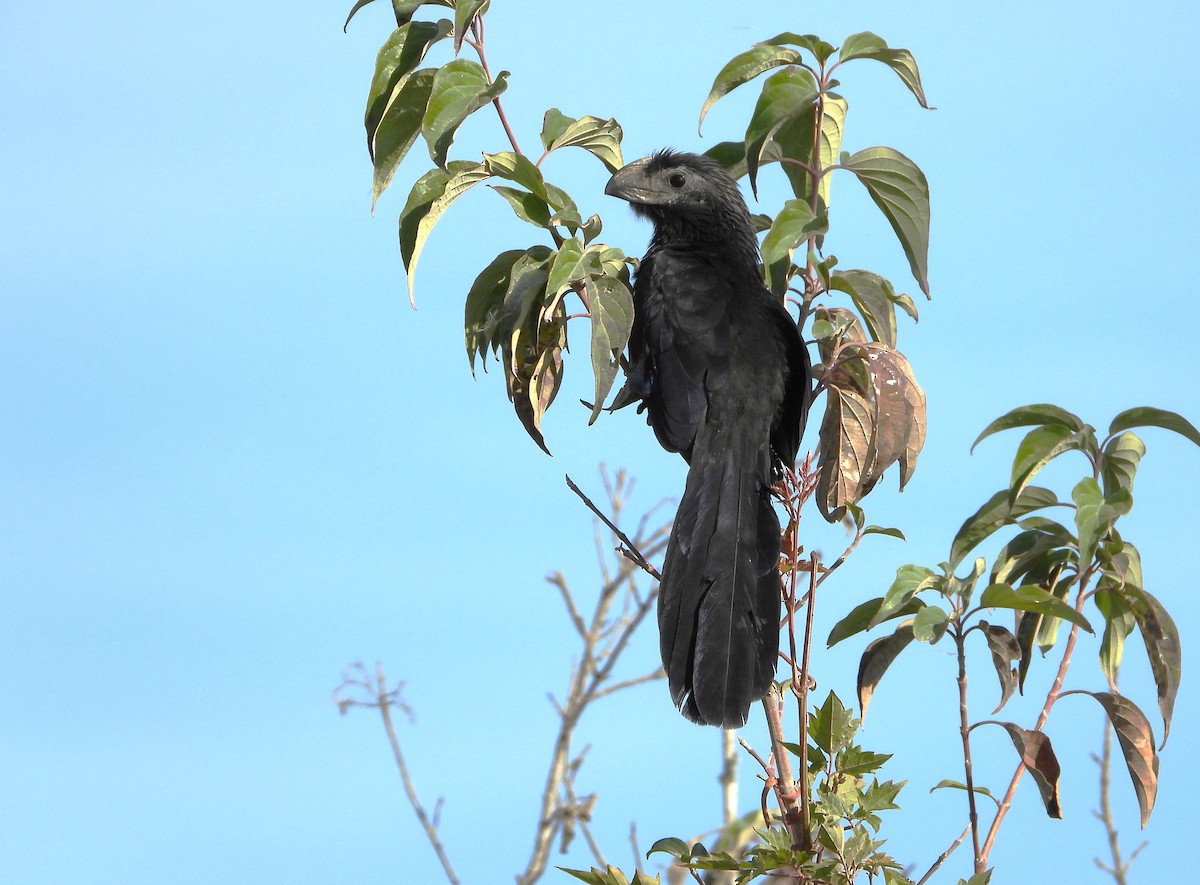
pixel 734 244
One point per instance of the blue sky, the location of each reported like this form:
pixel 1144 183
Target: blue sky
pixel 235 461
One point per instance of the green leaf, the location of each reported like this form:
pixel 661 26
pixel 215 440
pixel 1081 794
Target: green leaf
pixel 484 304
pixel 881 530
pixel 1030 598
pixel 876 659
pixel 910 580
pixel 743 68
pixel 1137 745
pixel 397 58
pixel 814 44
pixel 460 88
pixel 1039 447
pixel 930 624
pixel 1095 514
pixel 956 785
pixel 863 616
pixel 528 207
pixel 465 11
pixel 600 138
pixel 831 726
pixel 610 305
pixel 1026 416
pixel 428 200
pixel 901 192
pixel 399 127
pixel 1119 622
pixel 676 848
pixel 1146 416
pixel 868 45
pixel 794 225
pixel 1030 550
pixel 998 511
pixel 1161 637
pixel 1119 462
pixel 1006 651
pixel 785 96
pixel 874 299
pixel 1037 755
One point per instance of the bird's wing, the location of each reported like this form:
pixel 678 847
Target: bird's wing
pixel 681 351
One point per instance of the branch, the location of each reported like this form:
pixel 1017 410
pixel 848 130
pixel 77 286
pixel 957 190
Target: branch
pixel 945 854
pixel 631 551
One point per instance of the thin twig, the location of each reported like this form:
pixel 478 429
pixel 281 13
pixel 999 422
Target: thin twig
pixel 477 44
pixel 637 556
pixel 384 701
pixel 945 854
pixel 964 727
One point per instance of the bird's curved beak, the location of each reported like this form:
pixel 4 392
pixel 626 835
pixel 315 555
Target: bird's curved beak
pixel 631 183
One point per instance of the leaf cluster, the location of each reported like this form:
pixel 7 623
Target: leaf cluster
pixel 1046 574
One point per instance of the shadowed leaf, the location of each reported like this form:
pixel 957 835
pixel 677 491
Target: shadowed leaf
pixel 1161 637
pixel 997 512
pixel 846 432
pixel 1030 598
pixel 956 785
pixel 901 192
pixel 1119 622
pixel 1005 652
pixel 874 299
pixel 794 225
pixel 814 44
pixel 1147 416
pixel 600 138
pixel 1137 745
pixel 484 303
pixel 1037 755
pixel 876 659
pixel 930 624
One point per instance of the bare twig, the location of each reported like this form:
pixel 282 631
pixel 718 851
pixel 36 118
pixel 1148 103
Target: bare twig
pixel 630 547
pixel 945 854
pixel 964 727
pixel 375 694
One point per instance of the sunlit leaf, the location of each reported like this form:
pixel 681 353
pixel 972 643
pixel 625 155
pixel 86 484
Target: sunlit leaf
pixel 900 190
pixel 930 624
pixel 397 58
pixel 465 12
pixel 1095 513
pixel 743 68
pixel 1030 598
pixel 868 45
pixel 399 128
pixel 1027 416
pixel 1119 462
pixel 600 138
pixel 862 617
pixel 874 299
pixel 1137 745
pixel 528 207
pixel 1037 755
pixel 997 512
pixel 785 96
pixel 460 88
pixel 610 304
pixel 1119 622
pixel 794 225
pixel 428 200
pixel 814 44
pixel 518 168
pixel 956 785
pixel 1030 550
pixel 1039 447
pixel 1147 416
pixel 831 726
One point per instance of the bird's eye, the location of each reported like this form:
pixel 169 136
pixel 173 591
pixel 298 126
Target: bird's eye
pixel 677 180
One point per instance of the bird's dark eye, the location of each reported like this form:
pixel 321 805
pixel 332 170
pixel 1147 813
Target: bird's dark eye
pixel 677 179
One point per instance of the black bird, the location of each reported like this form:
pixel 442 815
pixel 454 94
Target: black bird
pixel 723 375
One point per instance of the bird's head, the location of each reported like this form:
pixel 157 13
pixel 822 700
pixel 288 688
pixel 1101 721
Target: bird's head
pixel 689 197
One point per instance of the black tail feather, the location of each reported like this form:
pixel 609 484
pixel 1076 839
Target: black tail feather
pixel 719 598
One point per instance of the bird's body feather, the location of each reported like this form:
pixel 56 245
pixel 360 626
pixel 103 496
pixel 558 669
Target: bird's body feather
pixel 723 376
